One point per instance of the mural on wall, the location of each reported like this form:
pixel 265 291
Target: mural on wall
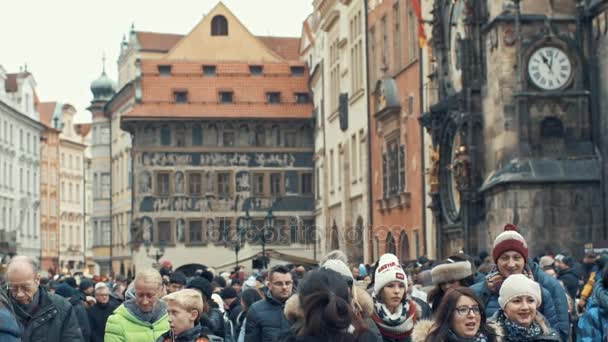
pixel 230 159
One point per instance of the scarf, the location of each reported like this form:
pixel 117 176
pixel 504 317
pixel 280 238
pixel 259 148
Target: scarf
pixel 480 337
pixel 398 325
pixel 516 332
pixel 494 279
pixel 159 310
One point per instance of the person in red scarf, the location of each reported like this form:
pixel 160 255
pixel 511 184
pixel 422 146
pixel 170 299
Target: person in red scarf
pixel 395 313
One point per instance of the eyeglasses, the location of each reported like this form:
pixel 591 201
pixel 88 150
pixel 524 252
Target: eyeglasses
pixel 465 310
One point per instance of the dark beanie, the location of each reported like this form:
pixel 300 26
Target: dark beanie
pixel 71 281
pixel 178 278
pixel 64 290
pixel 569 261
pixel 85 284
pixel 228 292
pixel 202 285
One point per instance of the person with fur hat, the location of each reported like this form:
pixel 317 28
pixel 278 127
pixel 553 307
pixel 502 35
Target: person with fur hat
pixel 510 255
pixel 518 318
pixel 455 272
pixel 460 317
pixel 395 313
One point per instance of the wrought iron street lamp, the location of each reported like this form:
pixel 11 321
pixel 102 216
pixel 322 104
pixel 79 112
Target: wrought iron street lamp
pixel 244 224
pixel 269 224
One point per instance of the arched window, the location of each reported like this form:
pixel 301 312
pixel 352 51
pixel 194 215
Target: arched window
pixel 219 26
pixel 390 244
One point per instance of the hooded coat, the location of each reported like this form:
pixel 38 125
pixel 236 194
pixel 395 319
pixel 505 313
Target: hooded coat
pixel 125 326
pixel 594 322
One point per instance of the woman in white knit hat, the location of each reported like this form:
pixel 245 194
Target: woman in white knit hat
pixel 518 318
pixel 395 313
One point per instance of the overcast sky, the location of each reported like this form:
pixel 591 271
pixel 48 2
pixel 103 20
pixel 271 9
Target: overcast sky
pixel 62 41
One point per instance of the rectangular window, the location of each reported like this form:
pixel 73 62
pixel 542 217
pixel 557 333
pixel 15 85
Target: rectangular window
pixel 162 183
pixel 258 184
pixel 226 96
pixel 194 184
pixel 353 157
pixel 195 231
pixel 197 135
pixel 306 183
pixel 27 141
pixel 412 33
pixel 397 36
pixel 273 97
pixel 302 98
pixel 180 96
pixel 164 70
pixel 165 135
pixel 275 184
pixel 297 70
pixel 290 139
pixel 224 227
pixel 228 137
pixel 164 232
pixel 223 183
pixel 256 69
pixel 209 70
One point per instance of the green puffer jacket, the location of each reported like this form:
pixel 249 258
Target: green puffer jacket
pixel 123 326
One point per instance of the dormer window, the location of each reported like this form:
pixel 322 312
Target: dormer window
pixel 226 96
pixel 209 70
pixel 273 97
pixel 164 70
pixel 219 26
pixel 302 98
pixel 256 69
pixel 297 71
pixel 180 96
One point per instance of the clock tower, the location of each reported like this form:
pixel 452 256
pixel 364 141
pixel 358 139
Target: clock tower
pixel 513 126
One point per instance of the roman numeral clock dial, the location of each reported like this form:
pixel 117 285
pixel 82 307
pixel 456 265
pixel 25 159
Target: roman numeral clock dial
pixel 549 68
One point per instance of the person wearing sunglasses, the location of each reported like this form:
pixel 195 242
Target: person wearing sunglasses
pixel 459 317
pixel 42 316
pixel 518 318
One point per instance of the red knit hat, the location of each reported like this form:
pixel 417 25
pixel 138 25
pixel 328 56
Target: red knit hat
pixel 509 240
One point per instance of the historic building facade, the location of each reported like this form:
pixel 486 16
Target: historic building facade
pixel 20 164
pixel 222 150
pixel 49 189
pixel 513 126
pixel 333 45
pixel 396 155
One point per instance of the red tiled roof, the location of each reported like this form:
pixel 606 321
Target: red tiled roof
pixel 153 41
pixel 10 83
pixel 83 129
pixel 286 47
pixel 46 110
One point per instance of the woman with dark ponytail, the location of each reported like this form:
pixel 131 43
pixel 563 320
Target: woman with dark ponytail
pixel 324 297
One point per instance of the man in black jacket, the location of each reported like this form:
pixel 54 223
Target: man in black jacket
pixel 567 275
pixel 42 316
pixel 213 319
pixel 99 313
pixel 265 319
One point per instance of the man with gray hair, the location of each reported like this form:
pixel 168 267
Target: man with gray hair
pixel 143 318
pixel 100 311
pixel 42 316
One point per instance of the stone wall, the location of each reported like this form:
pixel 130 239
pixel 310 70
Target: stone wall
pixel 558 218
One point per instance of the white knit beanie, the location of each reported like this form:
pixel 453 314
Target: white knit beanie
pixel 339 267
pixel 388 270
pixel 518 285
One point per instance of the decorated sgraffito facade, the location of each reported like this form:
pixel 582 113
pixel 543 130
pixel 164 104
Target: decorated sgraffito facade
pixel 513 128
pixel 222 151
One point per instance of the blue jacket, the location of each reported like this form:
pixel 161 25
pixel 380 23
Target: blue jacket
pixel 266 320
pixel 558 295
pixel 9 329
pixel 490 300
pixel 592 325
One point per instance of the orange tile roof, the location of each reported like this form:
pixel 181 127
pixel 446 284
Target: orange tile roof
pixel 154 41
pixel 83 129
pixel 46 110
pixel 286 47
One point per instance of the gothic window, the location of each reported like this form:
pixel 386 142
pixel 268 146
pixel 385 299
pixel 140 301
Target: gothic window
pixel 164 231
pixel 165 135
pixel 197 135
pixel 275 184
pixel 195 231
pixel 243 135
pixel 260 135
pixel 219 26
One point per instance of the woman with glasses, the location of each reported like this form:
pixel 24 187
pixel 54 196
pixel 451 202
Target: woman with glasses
pixel 518 319
pixel 459 317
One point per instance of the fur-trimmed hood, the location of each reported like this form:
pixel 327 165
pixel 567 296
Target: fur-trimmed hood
pixel 422 330
pixel 450 272
pixel 293 310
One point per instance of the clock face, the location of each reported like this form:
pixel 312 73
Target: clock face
pixel 549 68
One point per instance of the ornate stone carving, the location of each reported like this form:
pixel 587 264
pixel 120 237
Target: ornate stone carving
pixel 461 168
pixel 433 171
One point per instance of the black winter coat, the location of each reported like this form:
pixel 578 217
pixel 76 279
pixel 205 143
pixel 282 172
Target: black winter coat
pixel 98 316
pixel 570 280
pixel 83 318
pixel 53 321
pixel 266 320
pixel 214 322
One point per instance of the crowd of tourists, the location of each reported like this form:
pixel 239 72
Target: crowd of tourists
pixel 505 295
